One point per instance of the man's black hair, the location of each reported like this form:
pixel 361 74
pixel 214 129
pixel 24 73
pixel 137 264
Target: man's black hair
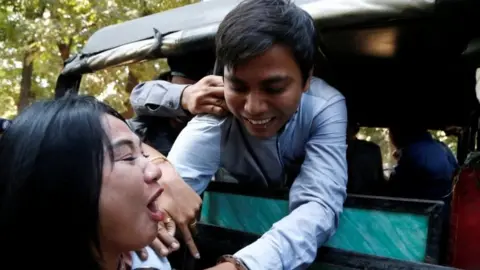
pixel 402 134
pixel 254 26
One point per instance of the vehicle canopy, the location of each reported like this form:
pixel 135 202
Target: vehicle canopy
pixel 419 55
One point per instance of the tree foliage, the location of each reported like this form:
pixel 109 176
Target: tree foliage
pixel 38 35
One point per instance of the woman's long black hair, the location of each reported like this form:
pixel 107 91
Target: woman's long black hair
pixel 51 162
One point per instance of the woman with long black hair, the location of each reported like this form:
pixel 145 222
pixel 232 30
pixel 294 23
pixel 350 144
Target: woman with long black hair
pixel 76 189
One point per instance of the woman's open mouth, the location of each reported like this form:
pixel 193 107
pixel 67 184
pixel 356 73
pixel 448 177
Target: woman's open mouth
pixel 155 213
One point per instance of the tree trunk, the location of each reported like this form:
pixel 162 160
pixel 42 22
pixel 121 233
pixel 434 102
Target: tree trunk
pixel 131 83
pixel 65 49
pixel 26 82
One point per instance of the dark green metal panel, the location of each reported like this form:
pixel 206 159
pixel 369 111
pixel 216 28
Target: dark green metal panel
pixel 388 234
pixel 326 266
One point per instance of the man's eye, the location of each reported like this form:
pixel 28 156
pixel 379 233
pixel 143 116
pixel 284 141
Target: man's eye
pixel 275 90
pixel 237 88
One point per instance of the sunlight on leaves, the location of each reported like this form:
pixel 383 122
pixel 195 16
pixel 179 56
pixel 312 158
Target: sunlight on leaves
pixel 48 32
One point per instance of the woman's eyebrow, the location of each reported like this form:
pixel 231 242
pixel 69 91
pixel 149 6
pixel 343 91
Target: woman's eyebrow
pixel 127 142
pixel 123 142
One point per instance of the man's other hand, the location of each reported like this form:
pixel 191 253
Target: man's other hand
pixel 180 201
pixel 165 243
pixel 205 96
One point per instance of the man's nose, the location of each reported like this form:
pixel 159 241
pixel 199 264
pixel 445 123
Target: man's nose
pixel 153 173
pixel 255 103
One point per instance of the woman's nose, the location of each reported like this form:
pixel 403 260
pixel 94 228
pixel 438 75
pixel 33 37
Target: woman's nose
pixel 153 173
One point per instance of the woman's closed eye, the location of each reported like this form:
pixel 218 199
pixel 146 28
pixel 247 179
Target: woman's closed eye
pixel 131 158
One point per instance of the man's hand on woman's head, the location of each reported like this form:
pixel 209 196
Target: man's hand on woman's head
pixel 205 96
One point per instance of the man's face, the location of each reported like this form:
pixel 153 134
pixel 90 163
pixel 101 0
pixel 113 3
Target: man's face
pixel 264 92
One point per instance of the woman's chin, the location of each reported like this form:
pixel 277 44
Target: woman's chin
pixel 146 237
pixel 146 230
pixel 152 232
pixel 146 241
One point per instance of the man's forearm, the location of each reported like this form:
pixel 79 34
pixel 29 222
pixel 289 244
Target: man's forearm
pixel 289 245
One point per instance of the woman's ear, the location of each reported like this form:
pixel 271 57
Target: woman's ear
pixel 307 82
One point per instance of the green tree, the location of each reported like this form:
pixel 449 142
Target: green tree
pixel 38 35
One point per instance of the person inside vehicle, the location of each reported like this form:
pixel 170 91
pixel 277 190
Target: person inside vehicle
pixel 365 167
pixel 282 116
pixel 425 170
pixel 423 163
pixel 68 166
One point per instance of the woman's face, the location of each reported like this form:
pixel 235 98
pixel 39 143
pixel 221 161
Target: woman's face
pixel 128 215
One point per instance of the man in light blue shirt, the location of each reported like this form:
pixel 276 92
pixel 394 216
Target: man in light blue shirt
pixel 284 121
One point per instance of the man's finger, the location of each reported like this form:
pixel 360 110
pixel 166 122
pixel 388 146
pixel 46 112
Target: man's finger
pixel 217 101
pixel 187 237
pixel 221 103
pixel 159 248
pixel 214 80
pixel 217 110
pixel 217 92
pixel 127 258
pixel 170 226
pixel 167 239
pixel 142 254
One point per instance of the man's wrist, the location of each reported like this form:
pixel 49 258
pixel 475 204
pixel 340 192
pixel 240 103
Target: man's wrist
pixel 233 261
pixel 184 99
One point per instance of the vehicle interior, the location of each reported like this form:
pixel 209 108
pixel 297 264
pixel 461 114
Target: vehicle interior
pixel 395 62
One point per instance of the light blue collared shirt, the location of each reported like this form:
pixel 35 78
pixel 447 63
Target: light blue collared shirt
pixel 153 261
pixel 316 134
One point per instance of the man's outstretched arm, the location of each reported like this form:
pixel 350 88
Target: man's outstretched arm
pixel 196 152
pixel 316 199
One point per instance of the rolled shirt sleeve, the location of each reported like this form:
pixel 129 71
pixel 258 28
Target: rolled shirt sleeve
pixel 158 98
